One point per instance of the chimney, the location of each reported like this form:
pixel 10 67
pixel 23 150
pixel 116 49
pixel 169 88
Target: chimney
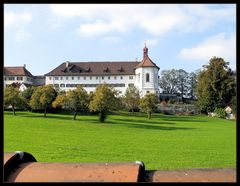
pixel 24 65
pixel 67 64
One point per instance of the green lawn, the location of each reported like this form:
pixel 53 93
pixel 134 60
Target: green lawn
pixel 164 142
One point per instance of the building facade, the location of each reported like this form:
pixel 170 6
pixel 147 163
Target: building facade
pixel 119 75
pixel 20 75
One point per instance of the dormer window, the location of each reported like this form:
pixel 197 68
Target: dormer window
pixel 88 70
pixel 106 70
pixel 121 70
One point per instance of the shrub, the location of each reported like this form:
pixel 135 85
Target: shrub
pixel 220 112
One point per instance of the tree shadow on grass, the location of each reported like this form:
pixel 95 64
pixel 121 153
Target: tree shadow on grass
pixel 161 116
pixel 155 127
pixel 40 115
pixel 144 125
pixel 146 121
pixel 178 118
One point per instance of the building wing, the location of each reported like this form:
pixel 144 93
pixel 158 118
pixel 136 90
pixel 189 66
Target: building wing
pixel 94 68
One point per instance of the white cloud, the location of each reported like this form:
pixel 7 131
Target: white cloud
pixel 150 42
pixel 111 39
pixel 219 45
pixel 156 19
pixel 97 28
pixel 11 18
pixel 22 35
pixel 17 22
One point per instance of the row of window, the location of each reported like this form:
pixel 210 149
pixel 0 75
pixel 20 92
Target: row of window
pixel 85 77
pixel 12 78
pixel 90 85
pixel 18 78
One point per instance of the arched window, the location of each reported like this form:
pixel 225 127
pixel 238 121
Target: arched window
pixel 147 77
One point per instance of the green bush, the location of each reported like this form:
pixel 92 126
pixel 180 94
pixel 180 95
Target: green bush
pixel 220 112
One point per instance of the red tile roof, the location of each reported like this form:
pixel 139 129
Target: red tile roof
pixel 147 62
pixel 94 68
pixel 16 71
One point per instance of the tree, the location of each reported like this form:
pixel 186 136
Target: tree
pixel 148 103
pixel 42 98
pixel 169 81
pixel 182 84
pixel 216 85
pixel 60 101
pixel 234 104
pixel 103 100
pixel 26 94
pixel 192 83
pixel 77 100
pixel 12 98
pixel 132 98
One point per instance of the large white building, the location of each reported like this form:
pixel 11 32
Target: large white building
pixel 21 76
pixel 143 74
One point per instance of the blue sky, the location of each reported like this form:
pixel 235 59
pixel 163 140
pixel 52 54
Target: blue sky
pixel 185 36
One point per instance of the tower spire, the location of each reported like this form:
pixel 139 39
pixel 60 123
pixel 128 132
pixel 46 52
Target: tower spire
pixel 145 51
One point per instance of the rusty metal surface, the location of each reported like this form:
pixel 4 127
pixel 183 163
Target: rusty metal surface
pixel 77 172
pixel 195 175
pixel 12 161
pixel 8 155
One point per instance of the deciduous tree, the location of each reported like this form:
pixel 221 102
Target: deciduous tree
pixel 216 85
pixel 42 97
pixel 103 100
pixel 132 98
pixel 12 97
pixel 77 100
pixel 27 94
pixel 148 103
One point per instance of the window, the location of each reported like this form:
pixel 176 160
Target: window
pixel 66 77
pixel 5 78
pixel 108 77
pixel 19 78
pixel 56 85
pixel 102 77
pixel 62 85
pixel 121 77
pixel 147 92
pixel 90 77
pixel 130 77
pixel 56 78
pixel 147 77
pixel 130 84
pixel 78 77
pixel 61 78
pixel 72 78
pixel 84 77
pixel 11 78
pixel 50 78
pixel 96 77
pixel 115 77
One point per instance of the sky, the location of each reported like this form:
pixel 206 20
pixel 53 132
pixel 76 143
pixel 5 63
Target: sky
pixel 179 36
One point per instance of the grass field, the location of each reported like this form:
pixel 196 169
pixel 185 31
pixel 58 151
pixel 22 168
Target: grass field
pixel 164 142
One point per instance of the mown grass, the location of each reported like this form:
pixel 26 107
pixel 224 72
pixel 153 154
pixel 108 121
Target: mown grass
pixel 164 142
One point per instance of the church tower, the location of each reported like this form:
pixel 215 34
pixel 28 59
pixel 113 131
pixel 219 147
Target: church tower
pixel 147 75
